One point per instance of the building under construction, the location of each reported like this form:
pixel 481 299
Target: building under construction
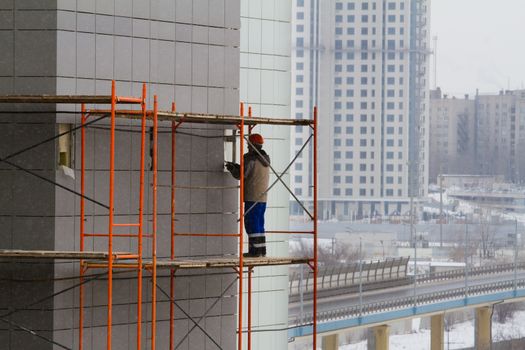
pixel 120 228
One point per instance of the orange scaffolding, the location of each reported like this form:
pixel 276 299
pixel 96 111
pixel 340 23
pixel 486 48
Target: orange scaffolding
pixel 137 261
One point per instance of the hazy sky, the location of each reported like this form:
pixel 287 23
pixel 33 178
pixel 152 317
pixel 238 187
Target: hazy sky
pixel 481 44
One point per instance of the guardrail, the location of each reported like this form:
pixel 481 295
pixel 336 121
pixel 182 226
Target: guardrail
pixel 422 299
pixel 334 277
pixel 473 271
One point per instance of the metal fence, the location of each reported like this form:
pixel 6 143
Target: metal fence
pixel 472 271
pixel 334 277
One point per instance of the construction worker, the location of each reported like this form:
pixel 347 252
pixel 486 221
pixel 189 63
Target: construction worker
pixel 256 178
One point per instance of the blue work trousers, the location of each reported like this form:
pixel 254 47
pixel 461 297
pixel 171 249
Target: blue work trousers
pixel 254 225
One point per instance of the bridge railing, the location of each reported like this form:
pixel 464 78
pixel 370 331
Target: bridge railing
pixel 472 271
pixel 401 303
pixel 334 277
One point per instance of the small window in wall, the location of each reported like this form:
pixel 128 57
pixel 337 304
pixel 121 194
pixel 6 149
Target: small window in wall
pixel 230 146
pixel 64 145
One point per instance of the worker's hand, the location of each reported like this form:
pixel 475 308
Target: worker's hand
pixel 234 169
pixel 231 166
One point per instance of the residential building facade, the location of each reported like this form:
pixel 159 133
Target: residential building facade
pixel 479 136
pixel 452 135
pixel 500 124
pixel 364 64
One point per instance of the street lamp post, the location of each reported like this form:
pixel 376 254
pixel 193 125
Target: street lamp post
pixel 414 237
pixel 515 257
pixel 415 270
pixel 466 260
pixel 360 277
pixel 441 210
pixel 301 296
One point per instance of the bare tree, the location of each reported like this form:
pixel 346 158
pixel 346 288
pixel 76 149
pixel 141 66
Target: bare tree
pixel 337 253
pixel 486 237
pixel 458 251
pixel 504 312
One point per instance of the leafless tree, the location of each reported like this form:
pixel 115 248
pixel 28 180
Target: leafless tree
pixel 338 253
pixel 486 237
pixel 504 312
pixel 457 253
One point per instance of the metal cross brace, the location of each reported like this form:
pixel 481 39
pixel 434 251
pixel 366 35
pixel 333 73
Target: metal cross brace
pixel 205 313
pixel 188 316
pixel 279 177
pixel 14 165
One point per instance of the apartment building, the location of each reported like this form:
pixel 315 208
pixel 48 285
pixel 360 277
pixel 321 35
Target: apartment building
pixel 479 136
pixel 364 64
pixel 452 135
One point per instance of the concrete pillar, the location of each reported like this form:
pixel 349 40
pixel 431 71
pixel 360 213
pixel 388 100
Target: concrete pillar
pixel 483 326
pixel 330 342
pixel 378 338
pixel 437 332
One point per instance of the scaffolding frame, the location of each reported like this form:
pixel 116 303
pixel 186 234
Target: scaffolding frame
pixel 135 261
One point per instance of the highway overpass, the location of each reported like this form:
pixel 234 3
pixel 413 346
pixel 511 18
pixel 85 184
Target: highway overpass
pixel 433 295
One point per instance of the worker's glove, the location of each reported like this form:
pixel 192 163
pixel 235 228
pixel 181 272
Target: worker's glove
pixel 233 168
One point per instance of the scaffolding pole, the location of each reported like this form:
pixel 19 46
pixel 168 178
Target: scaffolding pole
pixel 111 217
pixel 314 333
pixel 172 226
pixel 141 216
pixel 241 225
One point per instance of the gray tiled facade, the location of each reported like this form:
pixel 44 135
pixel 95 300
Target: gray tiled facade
pixel 187 52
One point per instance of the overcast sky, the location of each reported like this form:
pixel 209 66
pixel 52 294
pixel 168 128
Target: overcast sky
pixel 481 44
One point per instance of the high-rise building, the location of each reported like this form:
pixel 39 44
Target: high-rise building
pixel 500 125
pixel 364 64
pixel 452 135
pixel 480 136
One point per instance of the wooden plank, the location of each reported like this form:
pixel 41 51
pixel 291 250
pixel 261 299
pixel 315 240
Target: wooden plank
pixel 69 99
pixel 166 264
pixel 227 262
pixel 166 116
pixel 229 119
pixel 206 118
pixel 54 254
pixel 55 99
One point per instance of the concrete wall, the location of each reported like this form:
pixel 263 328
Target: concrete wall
pixel 187 51
pixel 265 85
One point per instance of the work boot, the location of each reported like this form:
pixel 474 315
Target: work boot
pixel 251 250
pixel 260 246
pixel 257 254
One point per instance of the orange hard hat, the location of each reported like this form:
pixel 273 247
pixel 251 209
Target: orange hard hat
pixel 256 139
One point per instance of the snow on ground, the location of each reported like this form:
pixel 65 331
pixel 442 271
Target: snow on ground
pixel 459 337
